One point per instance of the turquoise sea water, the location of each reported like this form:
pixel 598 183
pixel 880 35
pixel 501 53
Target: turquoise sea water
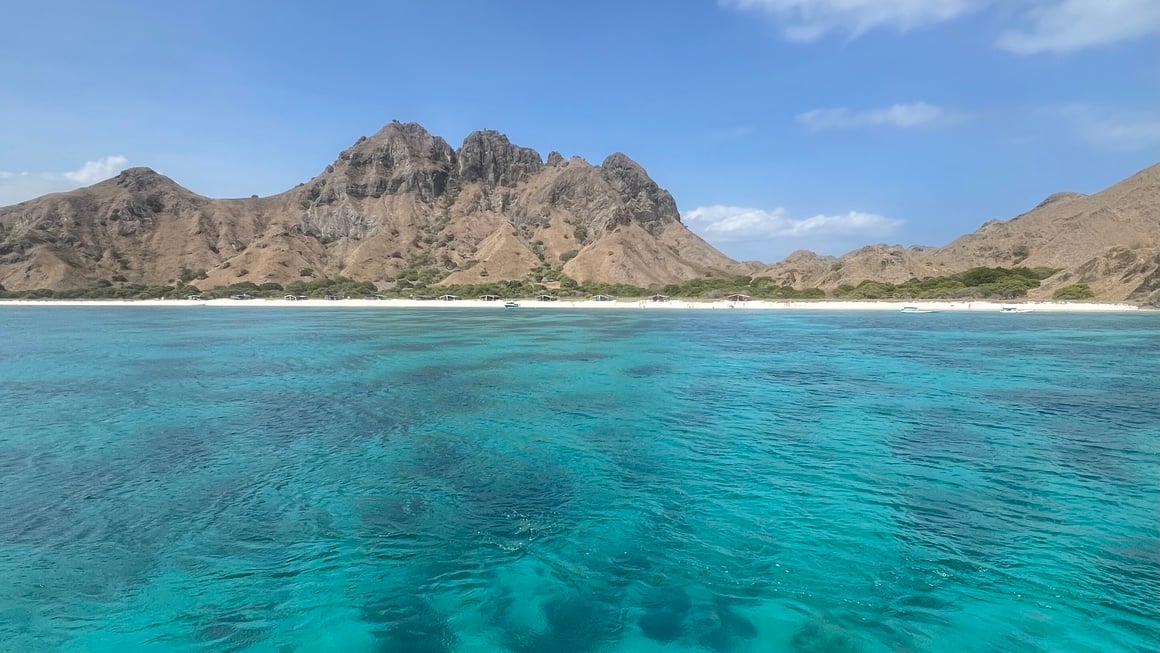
pixel 203 479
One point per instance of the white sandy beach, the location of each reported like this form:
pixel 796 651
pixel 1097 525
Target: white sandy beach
pixel 676 304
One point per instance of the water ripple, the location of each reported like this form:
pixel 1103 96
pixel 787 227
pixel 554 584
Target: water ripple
pixel 303 481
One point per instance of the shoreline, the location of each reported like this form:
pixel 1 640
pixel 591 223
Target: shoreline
pixel 676 304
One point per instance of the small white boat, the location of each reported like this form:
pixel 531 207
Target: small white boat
pixel 915 309
pixel 1014 309
pixel 510 305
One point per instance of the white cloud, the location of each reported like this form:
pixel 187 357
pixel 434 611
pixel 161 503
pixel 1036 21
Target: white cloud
pixel 93 171
pixel 18 187
pixel 902 116
pixel 808 20
pixel 734 223
pixel 1034 26
pixel 1068 25
pixel 770 235
pixel 1113 130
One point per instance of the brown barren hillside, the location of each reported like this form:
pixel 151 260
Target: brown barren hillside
pixel 399 199
pixel 1109 240
pixel 404 199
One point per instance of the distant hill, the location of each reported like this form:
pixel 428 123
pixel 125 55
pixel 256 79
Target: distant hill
pixel 1109 240
pixel 396 201
pixel 405 204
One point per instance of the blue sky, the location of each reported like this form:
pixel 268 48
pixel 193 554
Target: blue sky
pixel 776 124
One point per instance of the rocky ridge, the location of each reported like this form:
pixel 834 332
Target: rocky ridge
pixel 1109 240
pixel 397 200
pixel 403 200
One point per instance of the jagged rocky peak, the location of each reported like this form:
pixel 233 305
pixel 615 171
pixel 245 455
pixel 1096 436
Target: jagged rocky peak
pixel 555 158
pixel 142 179
pixel 488 157
pixel 398 144
pixel 399 158
pixel 650 205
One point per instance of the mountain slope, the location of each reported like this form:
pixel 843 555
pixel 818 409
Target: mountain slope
pixel 1109 240
pixel 400 199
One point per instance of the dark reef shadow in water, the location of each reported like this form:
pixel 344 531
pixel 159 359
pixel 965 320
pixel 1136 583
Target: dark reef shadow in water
pixel 721 628
pixel 409 624
pixel 575 624
pixel 648 370
pixel 823 634
pixel 663 619
pixel 228 634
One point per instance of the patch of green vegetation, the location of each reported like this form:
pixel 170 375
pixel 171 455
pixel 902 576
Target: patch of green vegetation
pixel 102 289
pixel 1075 291
pixel 317 288
pixel 755 287
pixel 421 277
pixel 188 275
pixel 420 274
pixel 976 283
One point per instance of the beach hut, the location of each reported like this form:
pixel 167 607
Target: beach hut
pixel 448 298
pixel 422 298
pixel 737 297
pixel 602 298
pixel 659 298
pixel 549 298
pixel 193 297
pixel 490 298
pixel 241 296
pixel 290 298
pixel 332 297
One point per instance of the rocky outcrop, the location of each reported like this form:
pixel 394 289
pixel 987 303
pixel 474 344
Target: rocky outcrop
pixel 649 205
pixel 489 158
pixel 403 199
pixel 398 199
pixel 803 269
pixel 1056 198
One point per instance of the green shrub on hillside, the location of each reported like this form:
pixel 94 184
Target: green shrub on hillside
pixel 976 283
pixel 1073 292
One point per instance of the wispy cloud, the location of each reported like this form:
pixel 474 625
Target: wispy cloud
pixel 808 20
pixel 771 234
pixel 902 116
pixel 1113 130
pixel 1069 25
pixel 1031 26
pixel 18 187
pixel 735 223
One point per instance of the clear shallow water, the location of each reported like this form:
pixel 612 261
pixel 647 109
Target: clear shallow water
pixel 546 481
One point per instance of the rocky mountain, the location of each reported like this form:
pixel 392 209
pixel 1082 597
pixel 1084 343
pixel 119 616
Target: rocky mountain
pixel 1109 240
pixel 404 202
pixel 399 200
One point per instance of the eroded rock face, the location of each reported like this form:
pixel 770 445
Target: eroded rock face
pixel 401 197
pixel 489 158
pixel 648 204
pixel 401 158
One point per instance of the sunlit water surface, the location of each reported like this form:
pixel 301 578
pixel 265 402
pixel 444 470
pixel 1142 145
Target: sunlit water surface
pixel 551 481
